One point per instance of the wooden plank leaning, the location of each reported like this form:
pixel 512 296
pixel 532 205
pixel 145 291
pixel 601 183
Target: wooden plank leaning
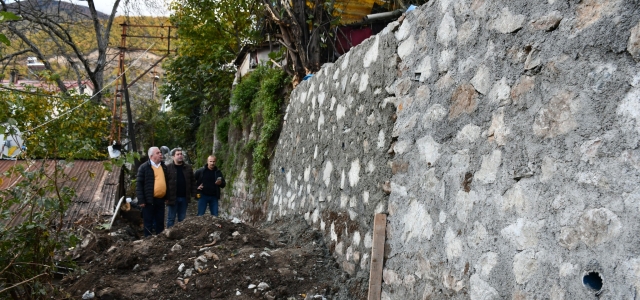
pixel 115 212
pixel 377 257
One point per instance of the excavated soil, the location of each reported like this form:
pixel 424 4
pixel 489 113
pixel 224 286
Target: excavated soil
pixel 209 258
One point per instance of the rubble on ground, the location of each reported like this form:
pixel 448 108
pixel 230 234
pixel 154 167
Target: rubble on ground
pixel 210 258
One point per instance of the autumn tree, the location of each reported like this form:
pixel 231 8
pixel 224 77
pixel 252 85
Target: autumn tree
pixel 200 77
pixel 56 28
pixel 304 28
pixel 53 20
pixel 50 129
pixel 33 240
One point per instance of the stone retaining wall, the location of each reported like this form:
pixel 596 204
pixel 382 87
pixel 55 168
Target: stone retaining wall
pixel 500 137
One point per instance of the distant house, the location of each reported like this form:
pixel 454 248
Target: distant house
pixel 19 82
pixel 251 56
pixel 34 64
pixel 84 87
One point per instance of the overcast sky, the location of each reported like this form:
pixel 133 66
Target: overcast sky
pixel 105 6
pixel 143 7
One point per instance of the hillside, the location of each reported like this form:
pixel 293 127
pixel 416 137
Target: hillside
pixel 51 7
pixel 76 21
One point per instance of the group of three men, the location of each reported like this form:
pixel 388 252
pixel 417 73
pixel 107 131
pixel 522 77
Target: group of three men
pixel 173 185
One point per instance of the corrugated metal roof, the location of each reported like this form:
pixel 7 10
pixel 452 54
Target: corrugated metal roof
pixel 96 189
pixel 5 165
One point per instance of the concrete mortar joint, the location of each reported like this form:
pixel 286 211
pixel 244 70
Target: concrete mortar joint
pixel 396 27
pixel 400 20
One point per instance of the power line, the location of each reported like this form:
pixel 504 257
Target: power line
pixel 95 94
pixel 30 93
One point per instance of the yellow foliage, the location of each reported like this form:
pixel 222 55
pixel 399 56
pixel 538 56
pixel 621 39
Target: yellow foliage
pixel 80 134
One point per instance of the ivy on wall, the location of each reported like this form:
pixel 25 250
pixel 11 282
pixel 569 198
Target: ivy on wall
pixel 265 108
pixel 249 133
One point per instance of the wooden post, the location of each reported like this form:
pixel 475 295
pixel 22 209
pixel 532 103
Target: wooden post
pixel 377 257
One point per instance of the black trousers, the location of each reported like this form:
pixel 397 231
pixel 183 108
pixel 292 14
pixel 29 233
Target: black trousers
pixel 153 217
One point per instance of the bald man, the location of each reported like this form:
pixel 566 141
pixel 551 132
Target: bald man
pixel 209 180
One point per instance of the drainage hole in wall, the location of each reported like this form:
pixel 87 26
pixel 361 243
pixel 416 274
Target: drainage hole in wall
pixel 592 280
pixel 282 170
pixel 342 145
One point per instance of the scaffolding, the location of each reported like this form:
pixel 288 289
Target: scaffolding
pixel 122 88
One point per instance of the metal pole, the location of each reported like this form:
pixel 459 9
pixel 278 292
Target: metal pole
pixel 169 40
pixel 130 129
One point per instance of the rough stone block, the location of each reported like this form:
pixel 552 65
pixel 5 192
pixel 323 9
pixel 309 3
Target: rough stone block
pixel 468 30
pixel 633 45
pixel 590 11
pixel 508 22
pixel 447 31
pixel 481 290
pixel 417 223
pixel 482 80
pixel 557 118
pixel 524 85
pixel 525 265
pixel 463 100
pixel 549 22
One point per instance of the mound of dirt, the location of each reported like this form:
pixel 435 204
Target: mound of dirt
pixel 211 258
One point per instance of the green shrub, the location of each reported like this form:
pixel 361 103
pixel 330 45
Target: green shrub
pixel 245 91
pixel 257 101
pixel 222 131
pixel 266 112
pixel 33 237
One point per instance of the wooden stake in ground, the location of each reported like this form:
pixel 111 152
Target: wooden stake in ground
pixel 377 257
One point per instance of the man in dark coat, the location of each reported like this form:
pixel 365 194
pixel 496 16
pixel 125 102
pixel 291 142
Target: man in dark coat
pixel 209 180
pixel 152 191
pixel 182 185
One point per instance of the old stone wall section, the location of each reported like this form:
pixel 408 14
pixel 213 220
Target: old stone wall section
pixel 500 137
pixel 331 164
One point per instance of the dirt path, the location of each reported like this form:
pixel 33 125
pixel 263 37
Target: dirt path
pixel 210 258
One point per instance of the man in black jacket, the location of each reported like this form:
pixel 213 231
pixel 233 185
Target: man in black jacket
pixel 152 191
pixel 182 185
pixel 209 180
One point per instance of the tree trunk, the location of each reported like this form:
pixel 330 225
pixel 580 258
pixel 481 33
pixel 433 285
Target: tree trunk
pixel 303 30
pixel 215 139
pixel 55 26
pixel 314 41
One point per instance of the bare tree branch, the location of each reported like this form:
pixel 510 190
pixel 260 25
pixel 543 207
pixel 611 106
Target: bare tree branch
pixel 274 18
pixel 21 283
pixel 39 54
pixel 12 55
pixel 68 59
pixel 56 29
pixel 103 44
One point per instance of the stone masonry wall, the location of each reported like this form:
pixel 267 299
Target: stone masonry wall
pixel 500 137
